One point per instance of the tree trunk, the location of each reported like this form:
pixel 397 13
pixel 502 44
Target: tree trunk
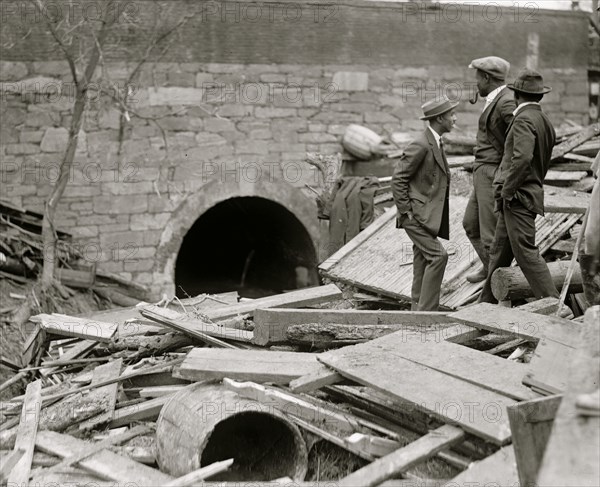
pixel 48 230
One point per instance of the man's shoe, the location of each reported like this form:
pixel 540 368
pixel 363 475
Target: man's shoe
pixel 478 276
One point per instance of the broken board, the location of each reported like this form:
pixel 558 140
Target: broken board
pixel 455 401
pixel 252 365
pixel 499 469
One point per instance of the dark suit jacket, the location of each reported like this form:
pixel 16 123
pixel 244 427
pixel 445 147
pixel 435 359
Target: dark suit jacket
pixel 499 115
pixel 420 184
pixel 526 160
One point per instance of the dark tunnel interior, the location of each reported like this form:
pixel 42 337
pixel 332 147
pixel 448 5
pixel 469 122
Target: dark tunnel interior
pixel 247 244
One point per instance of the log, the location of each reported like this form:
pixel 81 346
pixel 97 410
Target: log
pixel 509 283
pixel 325 335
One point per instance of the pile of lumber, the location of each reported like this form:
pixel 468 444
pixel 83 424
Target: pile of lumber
pixel 409 393
pixel 21 259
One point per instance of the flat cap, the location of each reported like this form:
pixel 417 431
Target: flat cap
pixel 493 65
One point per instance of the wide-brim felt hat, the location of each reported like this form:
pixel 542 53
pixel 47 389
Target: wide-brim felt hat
pixel 437 107
pixel 529 81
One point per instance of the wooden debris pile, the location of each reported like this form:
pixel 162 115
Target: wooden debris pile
pixel 413 395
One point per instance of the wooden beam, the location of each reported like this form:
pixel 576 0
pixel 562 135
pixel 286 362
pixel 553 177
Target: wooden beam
pixel 254 365
pixel 558 203
pixel 105 464
pixel 404 458
pixel 8 462
pixel 497 469
pixel 301 297
pixel 509 283
pixel 270 325
pixel 26 434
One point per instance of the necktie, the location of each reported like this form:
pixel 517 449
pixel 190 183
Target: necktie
pixel 444 156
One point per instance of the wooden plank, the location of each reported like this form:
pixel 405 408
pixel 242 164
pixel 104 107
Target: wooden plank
pixel 376 364
pixel 326 376
pixel 498 469
pixel 254 365
pixel 105 464
pixel 553 176
pixel 159 391
pixel 474 366
pixel 573 449
pixel 98 447
pixel 575 141
pixel 78 350
pixel 207 332
pixel 404 458
pixel 530 424
pixel 516 322
pixel 72 326
pixel 300 297
pixel 558 203
pixel 200 474
pixel 26 434
pixel 143 411
pixel 108 371
pixel 323 376
pixel 545 373
pixel 270 325
pixel 8 462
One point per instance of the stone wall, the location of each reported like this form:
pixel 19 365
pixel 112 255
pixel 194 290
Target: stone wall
pixel 204 131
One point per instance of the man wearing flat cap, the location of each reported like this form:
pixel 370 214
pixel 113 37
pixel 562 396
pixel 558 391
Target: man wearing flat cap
pixel 479 219
pixel 421 185
pixel 519 188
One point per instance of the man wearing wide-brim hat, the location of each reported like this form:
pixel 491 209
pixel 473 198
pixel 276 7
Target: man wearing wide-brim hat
pixel 421 185
pixel 519 188
pixel 479 220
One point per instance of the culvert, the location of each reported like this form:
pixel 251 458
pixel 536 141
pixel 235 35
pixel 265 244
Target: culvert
pixel 206 423
pixel 248 244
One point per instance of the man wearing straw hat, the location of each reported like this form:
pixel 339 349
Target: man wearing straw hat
pixel 420 186
pixel 479 219
pixel 519 188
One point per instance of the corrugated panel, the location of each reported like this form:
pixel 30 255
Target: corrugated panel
pixel 380 258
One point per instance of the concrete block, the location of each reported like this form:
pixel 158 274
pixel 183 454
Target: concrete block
pixel 202 78
pixel 252 147
pixel 52 68
pixel 317 138
pixel 31 136
pixel 235 110
pixel 135 265
pixel 351 81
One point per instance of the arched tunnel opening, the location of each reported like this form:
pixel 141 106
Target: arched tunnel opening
pixel 251 245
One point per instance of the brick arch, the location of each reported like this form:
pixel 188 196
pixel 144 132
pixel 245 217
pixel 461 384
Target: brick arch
pixel 213 193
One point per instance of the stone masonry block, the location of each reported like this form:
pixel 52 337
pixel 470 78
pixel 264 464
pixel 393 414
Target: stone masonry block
pixel 121 204
pixel 351 81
